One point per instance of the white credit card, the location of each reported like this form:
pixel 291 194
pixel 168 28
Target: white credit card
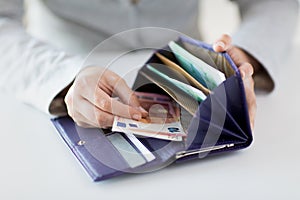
pixel 148 155
pixel 127 151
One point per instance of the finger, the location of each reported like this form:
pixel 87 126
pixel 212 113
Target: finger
pixel 246 70
pixel 91 115
pixel 251 100
pixel 132 101
pixel 69 101
pixel 111 105
pixel 122 90
pixel 223 43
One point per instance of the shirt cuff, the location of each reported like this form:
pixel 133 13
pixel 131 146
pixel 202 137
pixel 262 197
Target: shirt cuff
pixel 60 77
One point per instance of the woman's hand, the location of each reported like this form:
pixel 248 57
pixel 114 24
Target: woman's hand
pixel 90 99
pixel 246 65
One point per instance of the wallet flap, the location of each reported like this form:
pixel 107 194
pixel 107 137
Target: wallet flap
pixel 221 119
pixel 100 158
pixel 87 145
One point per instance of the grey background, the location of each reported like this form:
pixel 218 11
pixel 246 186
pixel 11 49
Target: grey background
pixel 36 164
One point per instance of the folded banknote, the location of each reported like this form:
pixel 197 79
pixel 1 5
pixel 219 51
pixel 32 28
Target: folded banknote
pixel 163 120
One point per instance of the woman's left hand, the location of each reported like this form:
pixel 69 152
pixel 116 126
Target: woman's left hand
pixel 246 65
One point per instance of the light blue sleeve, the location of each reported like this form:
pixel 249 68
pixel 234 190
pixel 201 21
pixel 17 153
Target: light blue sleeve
pixel 267 30
pixel 31 70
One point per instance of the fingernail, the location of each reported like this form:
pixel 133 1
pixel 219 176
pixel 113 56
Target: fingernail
pixel 221 44
pixel 142 109
pixel 137 117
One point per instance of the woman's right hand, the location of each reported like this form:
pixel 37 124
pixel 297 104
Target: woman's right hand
pixel 90 100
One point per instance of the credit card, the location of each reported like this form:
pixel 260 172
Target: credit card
pixel 148 155
pixel 127 151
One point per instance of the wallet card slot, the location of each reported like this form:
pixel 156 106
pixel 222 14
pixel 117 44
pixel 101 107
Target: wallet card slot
pixel 207 134
pixel 213 122
pixel 164 152
pixel 233 109
pixel 216 106
pixel 171 72
pixel 182 73
pixel 180 96
pixel 132 157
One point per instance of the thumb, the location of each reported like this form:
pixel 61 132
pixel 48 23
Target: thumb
pixel 223 43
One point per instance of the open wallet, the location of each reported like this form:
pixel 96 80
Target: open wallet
pixel 212 109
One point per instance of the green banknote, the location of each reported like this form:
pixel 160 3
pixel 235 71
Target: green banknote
pixel 193 92
pixel 202 72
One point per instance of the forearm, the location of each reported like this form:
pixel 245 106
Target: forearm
pixel 266 31
pixel 32 70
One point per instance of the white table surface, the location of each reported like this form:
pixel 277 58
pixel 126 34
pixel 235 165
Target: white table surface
pixel 36 164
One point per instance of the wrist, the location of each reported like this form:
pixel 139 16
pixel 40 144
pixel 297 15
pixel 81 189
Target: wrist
pixel 262 79
pixel 257 66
